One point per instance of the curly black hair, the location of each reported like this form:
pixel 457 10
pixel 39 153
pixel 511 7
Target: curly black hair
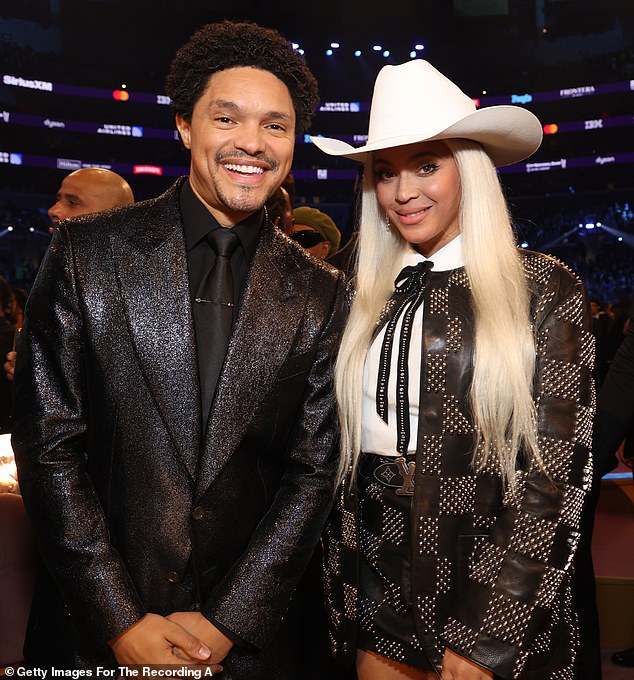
pixel 230 44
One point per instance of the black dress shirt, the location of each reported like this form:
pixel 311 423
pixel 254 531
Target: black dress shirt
pixel 198 222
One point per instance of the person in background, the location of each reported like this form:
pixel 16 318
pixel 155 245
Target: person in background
pixel 83 191
pixel 280 210
pixel 614 423
pixel 17 307
pixel 7 339
pixel 465 391
pixel 89 190
pixel 600 327
pixel 175 428
pixel 316 232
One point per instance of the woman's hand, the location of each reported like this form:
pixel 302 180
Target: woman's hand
pixel 455 667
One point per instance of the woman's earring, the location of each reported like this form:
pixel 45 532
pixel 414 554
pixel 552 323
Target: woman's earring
pixel 388 224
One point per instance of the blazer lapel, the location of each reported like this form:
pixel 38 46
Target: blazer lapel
pixel 151 268
pixel 276 289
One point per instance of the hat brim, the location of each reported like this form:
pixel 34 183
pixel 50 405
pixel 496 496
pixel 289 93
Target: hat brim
pixel 508 134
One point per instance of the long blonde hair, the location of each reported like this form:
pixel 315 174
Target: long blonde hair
pixel 501 391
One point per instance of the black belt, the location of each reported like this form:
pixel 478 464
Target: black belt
pixel 396 473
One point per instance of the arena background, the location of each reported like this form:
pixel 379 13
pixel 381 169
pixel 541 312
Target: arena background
pixel 81 83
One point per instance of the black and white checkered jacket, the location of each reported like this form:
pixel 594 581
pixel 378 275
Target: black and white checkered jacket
pixel 491 571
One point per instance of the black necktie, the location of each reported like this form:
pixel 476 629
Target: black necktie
pixel 408 295
pixel 214 300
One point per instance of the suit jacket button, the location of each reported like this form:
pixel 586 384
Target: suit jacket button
pixel 198 512
pixel 173 577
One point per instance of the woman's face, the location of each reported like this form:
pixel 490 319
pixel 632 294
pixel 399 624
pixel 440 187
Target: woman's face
pixel 418 187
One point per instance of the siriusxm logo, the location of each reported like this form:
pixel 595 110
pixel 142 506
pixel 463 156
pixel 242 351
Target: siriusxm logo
pixel 30 84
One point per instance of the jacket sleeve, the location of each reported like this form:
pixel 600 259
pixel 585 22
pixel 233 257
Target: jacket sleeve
pixel 50 442
pixel 254 596
pixel 517 608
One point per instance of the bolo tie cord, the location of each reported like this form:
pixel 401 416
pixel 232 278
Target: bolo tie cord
pixel 408 296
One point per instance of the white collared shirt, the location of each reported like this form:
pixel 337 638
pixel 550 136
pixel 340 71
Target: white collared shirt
pixel 377 436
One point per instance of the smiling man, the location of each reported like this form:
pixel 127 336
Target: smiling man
pixel 176 447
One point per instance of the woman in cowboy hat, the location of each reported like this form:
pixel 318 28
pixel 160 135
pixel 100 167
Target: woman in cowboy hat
pixel 465 395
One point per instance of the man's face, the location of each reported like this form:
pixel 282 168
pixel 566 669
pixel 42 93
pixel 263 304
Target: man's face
pixel 241 137
pixel 311 240
pixel 79 194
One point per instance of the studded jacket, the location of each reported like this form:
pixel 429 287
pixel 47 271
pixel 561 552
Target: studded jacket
pixel 491 570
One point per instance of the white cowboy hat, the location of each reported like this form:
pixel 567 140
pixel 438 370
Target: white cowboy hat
pixel 414 102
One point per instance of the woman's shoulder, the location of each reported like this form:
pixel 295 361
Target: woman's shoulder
pixel 543 270
pixel 554 288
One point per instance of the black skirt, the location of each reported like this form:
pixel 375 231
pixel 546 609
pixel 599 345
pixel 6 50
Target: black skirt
pixel 386 616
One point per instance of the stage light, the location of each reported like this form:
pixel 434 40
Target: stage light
pixel 551 129
pixel 31 229
pixel 484 91
pixel 295 46
pixel 300 51
pixel 590 225
pixel 9 228
pixel 357 53
pixel 377 48
pixel 334 45
pixel 524 244
pixel 120 95
pixel 123 86
pixel 620 238
pixel 329 53
pixel 386 53
pixel 419 47
pixel 412 54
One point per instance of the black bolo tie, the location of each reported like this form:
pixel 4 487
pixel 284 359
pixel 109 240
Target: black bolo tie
pixel 408 296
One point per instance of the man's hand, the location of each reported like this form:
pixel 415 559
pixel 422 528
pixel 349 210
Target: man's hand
pixel 455 667
pixel 9 365
pixel 196 624
pixel 155 640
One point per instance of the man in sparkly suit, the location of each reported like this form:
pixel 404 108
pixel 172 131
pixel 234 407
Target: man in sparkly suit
pixel 177 509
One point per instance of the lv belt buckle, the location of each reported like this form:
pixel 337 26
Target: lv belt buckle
pixel 398 475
